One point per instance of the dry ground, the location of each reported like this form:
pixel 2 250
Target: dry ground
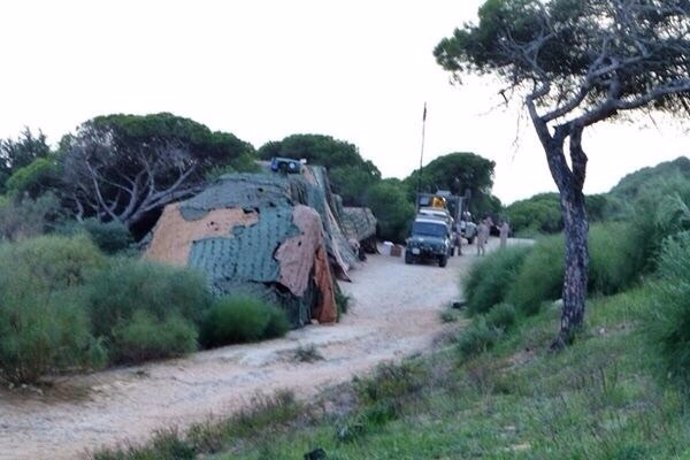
pixel 394 312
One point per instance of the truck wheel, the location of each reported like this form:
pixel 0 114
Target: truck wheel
pixel 443 261
pixel 408 258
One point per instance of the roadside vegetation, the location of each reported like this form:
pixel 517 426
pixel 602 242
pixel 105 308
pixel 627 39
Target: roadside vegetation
pixel 67 307
pixel 493 389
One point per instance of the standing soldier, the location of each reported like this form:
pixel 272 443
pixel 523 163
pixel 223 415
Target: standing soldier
pixel 503 233
pixel 482 236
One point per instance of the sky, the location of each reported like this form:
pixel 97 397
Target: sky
pixel 357 70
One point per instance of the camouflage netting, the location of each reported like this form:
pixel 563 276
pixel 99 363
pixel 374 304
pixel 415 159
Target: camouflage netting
pixel 359 223
pixel 272 235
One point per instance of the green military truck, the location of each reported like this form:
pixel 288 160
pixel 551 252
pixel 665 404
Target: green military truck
pixel 429 240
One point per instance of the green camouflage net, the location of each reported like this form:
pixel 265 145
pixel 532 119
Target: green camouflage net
pixel 243 259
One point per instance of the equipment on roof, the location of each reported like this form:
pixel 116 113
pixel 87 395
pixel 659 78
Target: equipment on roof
pixel 286 165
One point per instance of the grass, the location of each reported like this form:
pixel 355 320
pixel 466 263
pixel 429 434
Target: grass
pixel 602 397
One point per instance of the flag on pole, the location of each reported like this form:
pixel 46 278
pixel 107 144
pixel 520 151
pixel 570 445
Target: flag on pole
pixel 424 114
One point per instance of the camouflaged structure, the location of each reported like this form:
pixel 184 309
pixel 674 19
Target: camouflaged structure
pixel 278 236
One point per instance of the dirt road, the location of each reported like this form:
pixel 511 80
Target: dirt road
pixel 390 317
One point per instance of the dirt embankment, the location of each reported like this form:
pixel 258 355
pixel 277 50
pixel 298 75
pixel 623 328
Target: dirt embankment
pixel 394 312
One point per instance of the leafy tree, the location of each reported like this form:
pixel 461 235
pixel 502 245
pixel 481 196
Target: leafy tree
pixel 16 154
pixel 25 218
pixel 576 63
pixel 121 167
pixel 393 210
pixel 35 179
pixel 458 172
pixel 540 213
pixel 350 174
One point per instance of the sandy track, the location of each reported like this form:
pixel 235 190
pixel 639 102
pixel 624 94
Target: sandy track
pixel 390 317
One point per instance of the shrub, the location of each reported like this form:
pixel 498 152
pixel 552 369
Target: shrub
pixel 477 338
pixel 52 262
pixel 129 285
pixel 490 279
pixel 28 218
pixel 502 316
pixel 538 214
pixel 392 381
pixel 41 332
pixel 669 324
pixel 237 319
pixel 615 258
pixel 540 277
pixel 43 323
pixel 144 338
pixel 111 237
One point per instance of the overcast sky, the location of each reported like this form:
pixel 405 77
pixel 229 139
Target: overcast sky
pixel 357 70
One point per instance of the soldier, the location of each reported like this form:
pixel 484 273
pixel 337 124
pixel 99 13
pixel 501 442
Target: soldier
pixel 482 236
pixel 503 233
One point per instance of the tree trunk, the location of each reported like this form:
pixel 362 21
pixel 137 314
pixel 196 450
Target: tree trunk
pixel 576 263
pixel 570 181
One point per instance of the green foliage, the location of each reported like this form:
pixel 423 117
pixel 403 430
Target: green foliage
pixel 43 323
pixel 538 214
pixel 458 172
pixel 342 300
pixel 131 296
pixel 142 163
pixel 40 332
pixel 392 382
pixel 34 179
pixel 597 207
pixel 394 212
pixel 480 336
pixel 645 180
pixel 111 237
pixel 669 320
pixel 144 337
pixel 27 218
pixel 616 258
pixel 501 316
pixel 515 400
pixel 490 279
pixel 349 173
pixel 658 211
pixel 239 319
pixel 19 153
pixel 53 262
pixel 540 278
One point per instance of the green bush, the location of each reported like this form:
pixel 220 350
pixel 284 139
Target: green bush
pixel 145 310
pixel 43 323
pixel 479 337
pixel 540 278
pixel 22 218
pixel 491 278
pixel 238 319
pixel 144 338
pixel 53 262
pixel 669 324
pixel 615 258
pixel 128 285
pixel 111 237
pixel 394 212
pixel 538 214
pixel 42 333
pixel 502 316
pixel 392 381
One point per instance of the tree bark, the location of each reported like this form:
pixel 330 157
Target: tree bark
pixel 576 263
pixel 570 181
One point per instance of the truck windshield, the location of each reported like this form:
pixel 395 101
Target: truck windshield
pixel 429 229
